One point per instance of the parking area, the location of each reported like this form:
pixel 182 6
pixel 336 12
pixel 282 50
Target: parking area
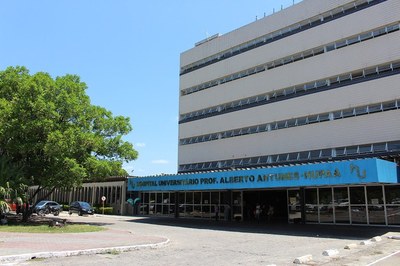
pixel 199 242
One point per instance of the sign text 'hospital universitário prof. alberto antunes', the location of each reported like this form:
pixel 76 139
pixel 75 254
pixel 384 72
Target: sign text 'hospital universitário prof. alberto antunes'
pixel 273 177
pixel 322 174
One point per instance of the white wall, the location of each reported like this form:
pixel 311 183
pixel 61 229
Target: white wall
pixel 378 127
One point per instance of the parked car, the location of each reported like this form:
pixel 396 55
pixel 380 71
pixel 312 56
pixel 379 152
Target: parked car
pixel 47 206
pixel 81 208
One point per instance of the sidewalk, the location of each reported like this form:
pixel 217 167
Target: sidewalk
pixel 24 246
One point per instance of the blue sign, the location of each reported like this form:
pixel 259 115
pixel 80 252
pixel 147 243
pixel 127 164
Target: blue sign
pixel 321 174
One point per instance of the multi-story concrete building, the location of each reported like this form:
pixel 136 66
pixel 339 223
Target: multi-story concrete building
pixel 314 82
pixel 298 110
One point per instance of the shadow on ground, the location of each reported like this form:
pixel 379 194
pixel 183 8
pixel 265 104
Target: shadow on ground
pixel 283 228
pixel 14 219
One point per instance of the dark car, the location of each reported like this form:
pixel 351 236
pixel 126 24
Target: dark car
pixel 81 208
pixel 47 206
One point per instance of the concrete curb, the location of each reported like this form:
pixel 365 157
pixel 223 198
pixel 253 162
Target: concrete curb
pixel 303 259
pixel 69 253
pixel 330 252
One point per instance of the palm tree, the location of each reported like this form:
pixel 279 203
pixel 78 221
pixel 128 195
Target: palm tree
pixel 11 183
pixel 4 192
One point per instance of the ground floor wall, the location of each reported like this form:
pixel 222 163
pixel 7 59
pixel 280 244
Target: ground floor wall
pixel 372 204
pixel 114 193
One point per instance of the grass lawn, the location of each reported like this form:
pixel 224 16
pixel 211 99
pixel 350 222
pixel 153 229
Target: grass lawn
pixel 70 228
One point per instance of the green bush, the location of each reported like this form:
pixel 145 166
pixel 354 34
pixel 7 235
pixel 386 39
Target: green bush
pixel 107 210
pixel 65 207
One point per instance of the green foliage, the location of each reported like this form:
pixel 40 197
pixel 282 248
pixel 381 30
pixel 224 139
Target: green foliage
pixel 5 192
pixel 107 210
pixel 70 228
pixel 56 137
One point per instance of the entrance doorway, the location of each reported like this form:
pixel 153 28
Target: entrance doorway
pixel 265 200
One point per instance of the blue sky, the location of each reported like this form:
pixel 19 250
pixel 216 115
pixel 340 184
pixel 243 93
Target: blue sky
pixel 127 52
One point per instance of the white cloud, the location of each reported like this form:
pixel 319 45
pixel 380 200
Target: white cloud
pixel 160 162
pixel 140 144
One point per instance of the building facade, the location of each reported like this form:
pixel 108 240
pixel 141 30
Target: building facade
pixel 113 189
pixel 317 81
pixel 307 98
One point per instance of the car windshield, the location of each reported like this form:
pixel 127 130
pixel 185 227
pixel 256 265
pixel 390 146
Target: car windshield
pixel 41 203
pixel 85 205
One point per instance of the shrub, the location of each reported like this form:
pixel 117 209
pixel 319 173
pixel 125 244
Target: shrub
pixel 107 210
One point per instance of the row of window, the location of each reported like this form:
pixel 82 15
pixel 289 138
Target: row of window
pixel 353 205
pixel 294 122
pixel 294 58
pixel 338 81
pixel 285 32
pixel 296 157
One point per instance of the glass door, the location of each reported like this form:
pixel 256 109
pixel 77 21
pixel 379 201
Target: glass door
pixel 294 206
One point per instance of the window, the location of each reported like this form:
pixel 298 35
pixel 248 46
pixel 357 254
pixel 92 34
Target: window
pixel 300 89
pixel 324 117
pixel 344 78
pixel 384 68
pixel 393 146
pixel 340 151
pixel 361 110
pixel 315 154
pixel 341 44
pixel 333 80
pixel 330 47
pixel 389 106
pixel 313 119
pixel 291 123
pixel 337 115
pixel 289 91
pixel 297 57
pixel 357 75
pixel 326 153
pixel 348 113
pixel 379 147
pixel 396 65
pixel 365 148
pixel 303 155
pixel 352 150
pixel 281 125
pixel 318 51
pixel 379 32
pixel 301 121
pixel 352 40
pixel 366 36
pixel 374 108
pixel 392 28
pixel 307 54
pixel 293 156
pixel 309 86
pixel 369 71
pixel 321 83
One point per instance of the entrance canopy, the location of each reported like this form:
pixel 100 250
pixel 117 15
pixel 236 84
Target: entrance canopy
pixel 319 174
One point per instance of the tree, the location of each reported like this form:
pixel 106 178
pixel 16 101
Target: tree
pixel 49 127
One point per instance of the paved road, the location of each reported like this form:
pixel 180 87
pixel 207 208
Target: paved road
pixel 193 242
